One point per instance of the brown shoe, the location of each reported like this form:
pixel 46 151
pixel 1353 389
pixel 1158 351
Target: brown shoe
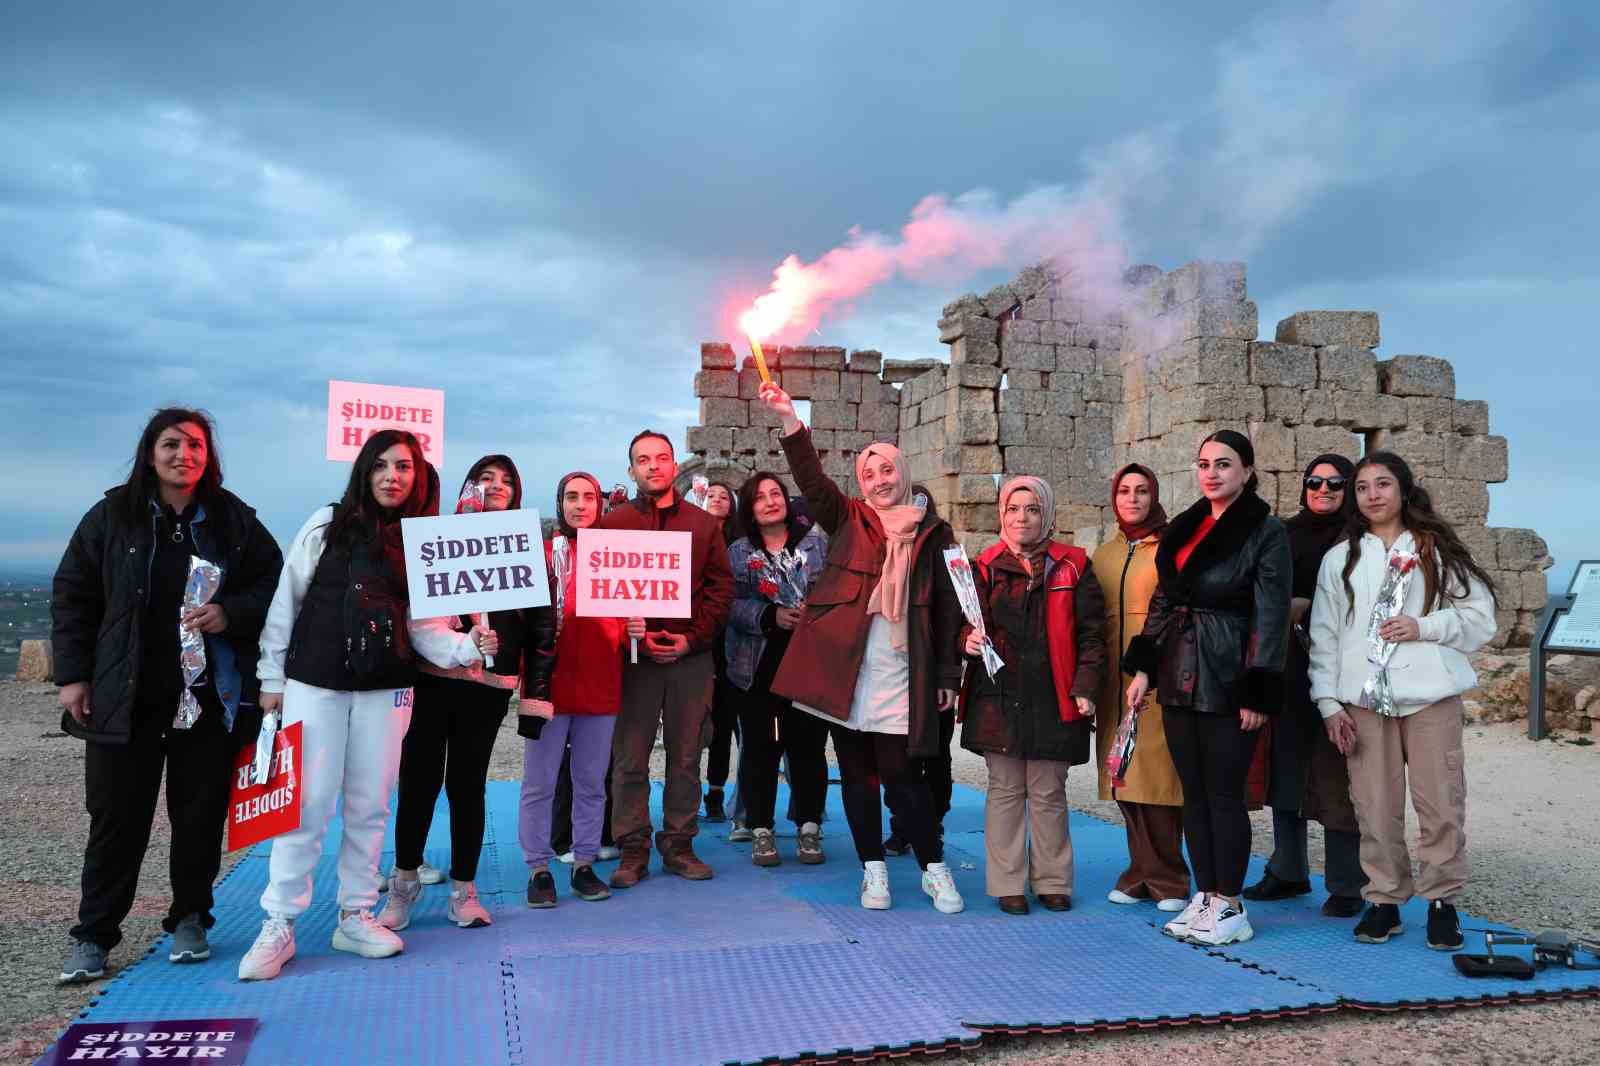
pixel 1055 902
pixel 682 861
pixel 634 867
pixel 1013 904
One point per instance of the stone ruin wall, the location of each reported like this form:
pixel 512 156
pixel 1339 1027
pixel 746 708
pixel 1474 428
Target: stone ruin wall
pixel 1043 380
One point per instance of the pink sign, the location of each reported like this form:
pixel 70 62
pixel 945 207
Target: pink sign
pixel 357 410
pixel 632 573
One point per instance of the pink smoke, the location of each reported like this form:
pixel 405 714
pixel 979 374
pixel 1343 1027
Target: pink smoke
pixel 946 242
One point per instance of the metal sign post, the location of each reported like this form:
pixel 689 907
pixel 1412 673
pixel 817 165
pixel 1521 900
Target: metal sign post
pixel 1570 625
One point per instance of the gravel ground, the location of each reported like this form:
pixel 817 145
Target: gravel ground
pixel 1531 826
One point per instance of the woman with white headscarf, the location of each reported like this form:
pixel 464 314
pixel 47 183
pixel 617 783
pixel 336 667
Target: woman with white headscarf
pixel 876 653
pixel 1043 609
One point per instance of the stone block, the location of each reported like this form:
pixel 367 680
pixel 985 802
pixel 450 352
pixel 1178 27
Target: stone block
pixel 1081 360
pixel 807 384
pixel 1286 365
pixel 1472 416
pixel 1288 495
pixel 1347 367
pixel 977 427
pixel 1432 413
pixel 827 357
pixel 1457 499
pixel 1207 279
pixel 1393 412
pixel 1013 429
pixel 1131 422
pixel 1225 404
pixel 1274 443
pixel 966 304
pixel 1036 460
pixel 1507 589
pixel 1024 401
pixel 1535 589
pixel 761 416
pixel 1024 379
pixel 998 300
pixel 1098 336
pixel 1204 361
pixel 851 441
pixel 878 419
pixel 1208 317
pixel 36 661
pixel 1160 401
pixel 1017 330
pixel 717 356
pixel 850 384
pixel 1312 441
pixel 975 377
pixel 896 371
pixel 973 350
pixel 752 439
pixel 836 414
pixel 1056 333
pixel 969 327
pixel 1066 398
pixel 1102 388
pixel 722 411
pixel 1417 375
pixel 972 488
pixel 1519 549
pixel 977 459
pixel 1024 355
pixel 717 383
pixel 925 385
pixel 825 440
pixel 1356 410
pixel 1423 451
pixel 1036 309
pixel 1092 433
pixel 866 361
pixel 1482 458
pixel 749 383
pixel 1480 541
pixel 1051 431
pixel 709 439
pixel 1354 329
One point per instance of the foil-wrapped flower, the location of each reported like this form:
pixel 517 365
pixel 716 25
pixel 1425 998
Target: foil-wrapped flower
pixel 769 589
pixel 756 563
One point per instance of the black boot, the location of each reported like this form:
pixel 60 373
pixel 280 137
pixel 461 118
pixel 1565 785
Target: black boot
pixel 714 811
pixel 1272 887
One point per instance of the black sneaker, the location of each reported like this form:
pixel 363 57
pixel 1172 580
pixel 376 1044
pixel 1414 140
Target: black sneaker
pixel 896 845
pixel 1336 906
pixel 1444 928
pixel 542 889
pixel 714 808
pixel 1381 922
pixel 586 886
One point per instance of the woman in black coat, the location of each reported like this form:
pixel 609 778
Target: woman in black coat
pixel 115 614
pixel 1215 641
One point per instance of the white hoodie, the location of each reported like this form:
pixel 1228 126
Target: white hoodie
pixel 1423 671
pixel 432 638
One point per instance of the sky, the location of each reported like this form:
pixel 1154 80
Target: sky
pixel 545 210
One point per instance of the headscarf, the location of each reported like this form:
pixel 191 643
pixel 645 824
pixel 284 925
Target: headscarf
pixel 1042 492
pixel 899 520
pixel 503 462
pixel 1156 520
pixel 1312 534
pixel 565 529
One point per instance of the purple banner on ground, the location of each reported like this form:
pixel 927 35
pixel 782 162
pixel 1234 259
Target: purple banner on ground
pixel 220 1041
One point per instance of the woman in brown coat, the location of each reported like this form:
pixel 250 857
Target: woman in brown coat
pixel 1151 796
pixel 876 653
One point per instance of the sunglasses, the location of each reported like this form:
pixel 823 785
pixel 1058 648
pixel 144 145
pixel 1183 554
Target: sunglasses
pixel 1335 484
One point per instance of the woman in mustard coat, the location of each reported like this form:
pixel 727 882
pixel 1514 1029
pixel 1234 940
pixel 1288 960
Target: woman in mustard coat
pixel 1151 797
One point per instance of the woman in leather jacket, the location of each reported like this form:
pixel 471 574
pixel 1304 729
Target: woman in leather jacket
pixel 1215 641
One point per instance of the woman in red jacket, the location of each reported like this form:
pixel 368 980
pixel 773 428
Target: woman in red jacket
pixel 587 693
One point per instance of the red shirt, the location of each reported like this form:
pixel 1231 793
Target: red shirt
pixel 589 657
pixel 1199 534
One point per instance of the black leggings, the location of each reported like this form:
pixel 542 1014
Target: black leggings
pixel 939 772
pixel 453 729
pixel 803 736
pixel 726 719
pixel 1212 755
pixel 868 762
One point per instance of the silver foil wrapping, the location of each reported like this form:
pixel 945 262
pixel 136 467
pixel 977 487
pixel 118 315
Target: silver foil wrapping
pixel 205 578
pixel 1121 754
pixel 261 765
pixel 560 567
pixel 1378 693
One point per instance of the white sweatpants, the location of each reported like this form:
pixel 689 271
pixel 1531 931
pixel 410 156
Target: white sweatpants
pixel 352 752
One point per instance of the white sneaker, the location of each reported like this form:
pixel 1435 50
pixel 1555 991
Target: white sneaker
pixel 607 853
pixel 1225 924
pixel 938 883
pixel 1172 906
pixel 274 946
pixel 360 934
pixel 566 857
pixel 465 910
pixel 404 893
pixel 1179 926
pixel 875 886
pixel 430 875
pixel 1116 895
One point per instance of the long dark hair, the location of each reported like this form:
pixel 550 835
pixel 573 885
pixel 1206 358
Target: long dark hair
pixel 359 515
pixel 1434 534
pixel 504 463
pixel 143 484
pixel 746 507
pixel 733 526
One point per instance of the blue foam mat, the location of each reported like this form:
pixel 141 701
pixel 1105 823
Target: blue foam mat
pixel 768 964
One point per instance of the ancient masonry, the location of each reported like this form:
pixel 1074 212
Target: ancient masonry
pixel 1068 383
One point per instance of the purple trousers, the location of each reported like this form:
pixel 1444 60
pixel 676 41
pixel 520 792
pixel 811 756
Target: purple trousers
pixel 590 737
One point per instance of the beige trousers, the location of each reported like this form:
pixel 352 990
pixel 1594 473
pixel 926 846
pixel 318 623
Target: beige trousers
pixel 1426 748
pixel 1025 827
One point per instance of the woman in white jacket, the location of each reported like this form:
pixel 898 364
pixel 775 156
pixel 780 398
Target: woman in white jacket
pixel 336 656
pixel 1400 605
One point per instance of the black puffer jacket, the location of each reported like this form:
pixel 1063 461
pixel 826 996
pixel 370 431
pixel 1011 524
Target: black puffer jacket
pixel 1218 629
pixel 98 604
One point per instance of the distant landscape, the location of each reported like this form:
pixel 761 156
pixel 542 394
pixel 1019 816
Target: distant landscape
pixel 24 615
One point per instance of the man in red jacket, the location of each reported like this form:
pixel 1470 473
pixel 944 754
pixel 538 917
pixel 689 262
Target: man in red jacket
pixel 671 683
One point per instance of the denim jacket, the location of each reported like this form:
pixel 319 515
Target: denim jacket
pixel 745 640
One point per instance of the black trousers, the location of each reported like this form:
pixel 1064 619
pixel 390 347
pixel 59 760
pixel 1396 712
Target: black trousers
pixel 726 722
pixel 938 772
pixel 122 784
pixel 869 762
pixel 803 737
pixel 1212 755
pixel 561 809
pixel 453 728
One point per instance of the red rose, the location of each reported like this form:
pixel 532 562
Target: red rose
pixel 757 562
pixel 769 589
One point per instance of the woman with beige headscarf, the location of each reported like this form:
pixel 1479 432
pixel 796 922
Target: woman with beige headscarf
pixel 876 651
pixel 1043 609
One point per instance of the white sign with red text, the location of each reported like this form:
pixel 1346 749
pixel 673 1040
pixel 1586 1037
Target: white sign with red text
pixel 633 573
pixel 472 563
pixel 357 410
